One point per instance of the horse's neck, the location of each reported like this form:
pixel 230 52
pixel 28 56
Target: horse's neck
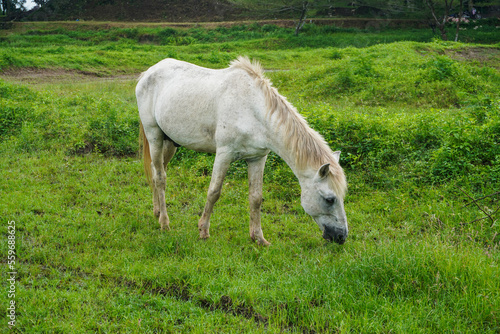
pixel 279 146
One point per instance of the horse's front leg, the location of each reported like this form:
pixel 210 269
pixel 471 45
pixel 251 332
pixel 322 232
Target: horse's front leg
pixel 255 180
pixel 221 165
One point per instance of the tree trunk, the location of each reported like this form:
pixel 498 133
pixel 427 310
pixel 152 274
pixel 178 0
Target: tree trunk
pixel 459 19
pixel 7 7
pixel 442 28
pixel 441 24
pixel 302 17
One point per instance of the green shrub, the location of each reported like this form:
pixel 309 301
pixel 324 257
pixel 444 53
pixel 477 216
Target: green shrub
pixel 15 108
pixel 112 135
pixel 434 145
pixel 9 59
pixel 440 68
pixel 12 118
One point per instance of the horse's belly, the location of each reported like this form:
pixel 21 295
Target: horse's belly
pixel 200 139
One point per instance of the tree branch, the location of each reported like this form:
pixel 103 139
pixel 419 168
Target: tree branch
pixel 480 208
pixel 481 198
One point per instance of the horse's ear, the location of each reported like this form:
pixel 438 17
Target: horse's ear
pixel 323 171
pixel 336 156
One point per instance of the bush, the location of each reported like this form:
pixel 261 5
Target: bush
pixel 398 73
pixel 439 68
pixel 111 135
pixel 14 108
pixel 434 146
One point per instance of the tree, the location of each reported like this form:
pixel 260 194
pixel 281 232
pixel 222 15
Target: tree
pixel 299 26
pixel 442 7
pixel 7 7
pixel 301 8
pixel 459 19
pixel 281 7
pixel 11 8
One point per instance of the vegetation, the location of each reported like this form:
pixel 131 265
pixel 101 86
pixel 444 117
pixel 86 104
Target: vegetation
pixel 228 10
pixel 418 123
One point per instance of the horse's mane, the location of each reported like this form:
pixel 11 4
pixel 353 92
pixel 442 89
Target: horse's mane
pixel 309 146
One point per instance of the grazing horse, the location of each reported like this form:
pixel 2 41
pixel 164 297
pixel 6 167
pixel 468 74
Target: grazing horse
pixel 237 114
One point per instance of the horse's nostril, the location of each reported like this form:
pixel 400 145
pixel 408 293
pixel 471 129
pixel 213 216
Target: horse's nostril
pixel 335 234
pixel 327 236
pixel 340 239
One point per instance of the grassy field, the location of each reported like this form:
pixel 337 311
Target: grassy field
pixel 417 120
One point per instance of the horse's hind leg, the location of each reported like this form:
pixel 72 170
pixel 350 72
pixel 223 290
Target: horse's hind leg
pixel 168 152
pixel 161 153
pixel 255 180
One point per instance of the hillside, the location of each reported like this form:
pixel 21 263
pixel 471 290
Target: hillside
pixel 207 11
pixel 145 10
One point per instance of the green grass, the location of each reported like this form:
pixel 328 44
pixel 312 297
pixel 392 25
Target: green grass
pixel 87 237
pixel 418 122
pixel 105 50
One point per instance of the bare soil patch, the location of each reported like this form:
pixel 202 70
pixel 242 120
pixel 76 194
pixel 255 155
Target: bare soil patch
pixel 38 75
pixel 483 55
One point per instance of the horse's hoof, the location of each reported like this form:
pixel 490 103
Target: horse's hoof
pixel 259 238
pixel 164 223
pixel 204 235
pixel 262 242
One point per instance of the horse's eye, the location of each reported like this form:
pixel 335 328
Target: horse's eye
pixel 330 200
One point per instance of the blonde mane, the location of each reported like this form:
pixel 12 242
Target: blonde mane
pixel 309 146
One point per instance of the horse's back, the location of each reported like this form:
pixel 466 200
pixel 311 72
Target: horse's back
pixel 171 76
pixel 195 106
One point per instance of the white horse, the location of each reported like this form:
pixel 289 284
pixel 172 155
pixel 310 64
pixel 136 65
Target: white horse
pixel 236 114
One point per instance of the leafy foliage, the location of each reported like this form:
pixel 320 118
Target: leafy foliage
pixel 14 108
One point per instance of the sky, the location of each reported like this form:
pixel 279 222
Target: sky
pixel 29 4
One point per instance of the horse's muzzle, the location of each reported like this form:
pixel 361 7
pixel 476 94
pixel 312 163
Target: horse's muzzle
pixel 338 235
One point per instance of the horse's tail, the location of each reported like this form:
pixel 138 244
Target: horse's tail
pixel 146 154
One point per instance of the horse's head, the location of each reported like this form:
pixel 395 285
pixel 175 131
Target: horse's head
pixel 320 201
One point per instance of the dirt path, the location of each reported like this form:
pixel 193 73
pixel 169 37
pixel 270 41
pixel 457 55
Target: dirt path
pixel 39 76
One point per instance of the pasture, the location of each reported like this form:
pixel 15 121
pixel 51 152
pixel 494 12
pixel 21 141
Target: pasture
pixel 418 124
